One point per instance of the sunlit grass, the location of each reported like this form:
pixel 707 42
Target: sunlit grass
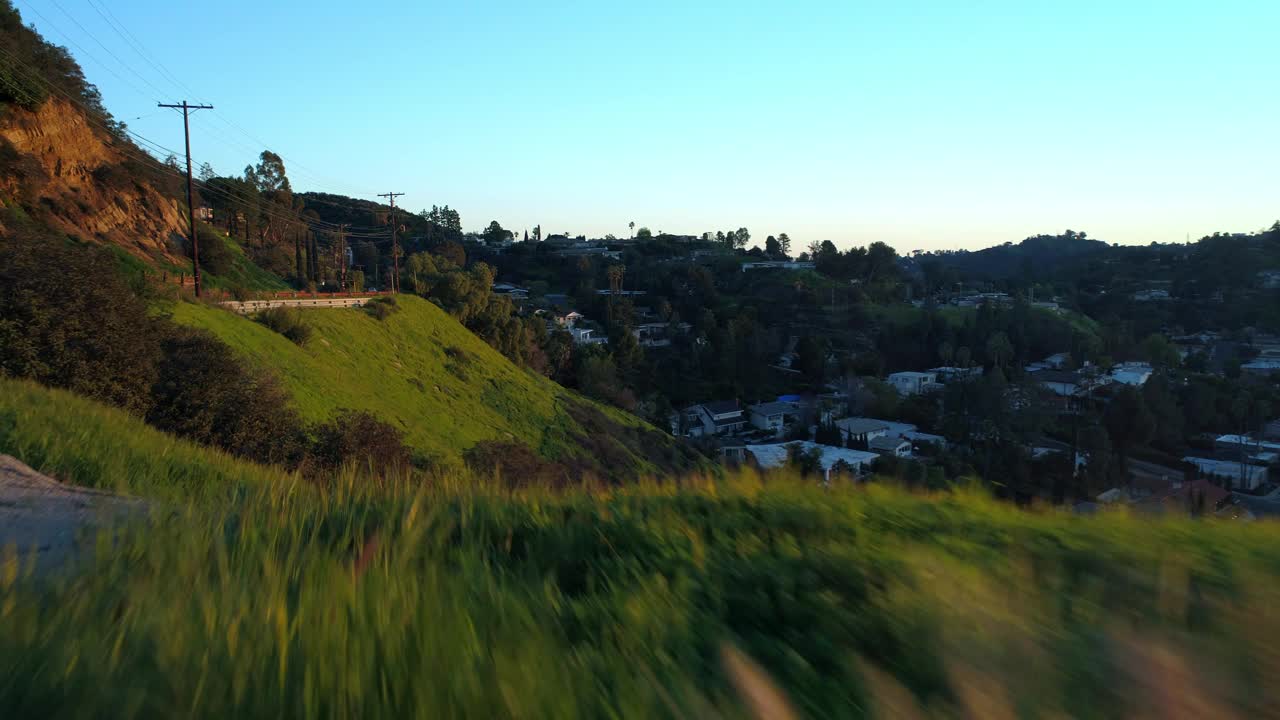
pixel 454 598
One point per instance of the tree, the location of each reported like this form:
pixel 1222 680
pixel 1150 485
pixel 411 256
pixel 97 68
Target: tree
pixel 784 243
pixel 999 350
pixel 1129 423
pixel 741 238
pixel 632 227
pixel 644 233
pixel 772 247
pixel 811 359
pixel 495 234
pixel 269 174
pixel 206 172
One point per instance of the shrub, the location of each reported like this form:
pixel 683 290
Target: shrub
pixel 359 437
pixel 216 255
pixel 205 393
pixel 515 465
pixel 381 307
pixel 69 319
pixel 289 322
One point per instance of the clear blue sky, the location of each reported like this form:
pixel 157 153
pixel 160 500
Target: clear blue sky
pixel 940 124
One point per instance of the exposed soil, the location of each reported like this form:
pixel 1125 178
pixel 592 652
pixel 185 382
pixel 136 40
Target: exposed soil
pixel 39 514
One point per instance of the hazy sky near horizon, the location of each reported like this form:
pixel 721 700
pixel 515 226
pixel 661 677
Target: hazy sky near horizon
pixel 925 124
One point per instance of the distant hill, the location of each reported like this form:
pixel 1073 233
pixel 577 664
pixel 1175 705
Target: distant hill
pixel 1034 254
pixel 449 391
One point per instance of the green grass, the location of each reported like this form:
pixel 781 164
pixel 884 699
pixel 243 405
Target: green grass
pixel 269 598
pixel 82 442
pixel 244 273
pixel 429 376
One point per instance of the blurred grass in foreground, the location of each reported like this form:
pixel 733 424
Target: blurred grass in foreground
pixel 277 598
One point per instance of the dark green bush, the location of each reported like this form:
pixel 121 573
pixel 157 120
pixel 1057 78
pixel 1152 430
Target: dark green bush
pixel 381 307
pixel 206 394
pixel 359 438
pixel 286 321
pixel 69 319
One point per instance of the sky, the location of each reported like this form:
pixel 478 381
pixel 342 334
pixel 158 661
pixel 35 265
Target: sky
pixel 928 125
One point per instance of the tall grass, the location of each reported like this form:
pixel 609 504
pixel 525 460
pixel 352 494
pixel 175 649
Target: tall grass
pixel 451 599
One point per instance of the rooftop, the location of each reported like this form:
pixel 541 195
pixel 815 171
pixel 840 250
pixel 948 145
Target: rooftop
pixel 771 408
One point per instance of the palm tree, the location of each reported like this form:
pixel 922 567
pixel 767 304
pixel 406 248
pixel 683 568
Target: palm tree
pixel 632 226
pixel 616 273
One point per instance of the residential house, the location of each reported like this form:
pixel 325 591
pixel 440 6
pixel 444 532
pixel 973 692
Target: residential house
pixel 713 418
pixel 652 334
pixel 1233 445
pixel 832 459
pixel 1056 361
pixel 1131 373
pixel 863 430
pixel 1185 498
pixel 1241 476
pixel 586 336
pixel 890 446
pixel 950 374
pixel 1262 366
pixel 777 265
pixel 913 383
pixel 771 416
pixel 1061 382
pixel 917 439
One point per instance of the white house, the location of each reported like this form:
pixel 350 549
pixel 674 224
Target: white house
pixel 1061 382
pixel 771 416
pixel 1242 476
pixel 714 418
pixel 912 383
pixel 775 456
pixel 1131 373
pixel 863 430
pixel 586 336
pixel 948 373
pixel 895 446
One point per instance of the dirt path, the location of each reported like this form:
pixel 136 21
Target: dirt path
pixel 40 514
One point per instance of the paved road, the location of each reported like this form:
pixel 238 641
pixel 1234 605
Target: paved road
pixel 39 514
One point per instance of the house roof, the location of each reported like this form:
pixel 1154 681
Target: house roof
pixel 911 374
pixel 771 408
pixel 721 407
pixel 1056 376
pixel 861 426
pixel 887 443
pixel 775 455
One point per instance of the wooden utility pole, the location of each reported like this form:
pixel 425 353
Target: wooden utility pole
pixel 342 256
pixel 395 246
pixel 187 109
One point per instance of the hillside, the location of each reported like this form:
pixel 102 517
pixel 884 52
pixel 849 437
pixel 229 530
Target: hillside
pixel 66 164
pixel 1039 255
pixel 444 387
pixel 267 597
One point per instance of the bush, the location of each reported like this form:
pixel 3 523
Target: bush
pixel 515 465
pixel 216 256
pixel 204 393
pixel 286 321
pixel 69 319
pixel 381 307
pixel 360 438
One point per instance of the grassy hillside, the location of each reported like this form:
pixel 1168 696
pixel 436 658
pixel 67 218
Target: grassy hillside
pixel 445 388
pixel 82 442
pixel 288 600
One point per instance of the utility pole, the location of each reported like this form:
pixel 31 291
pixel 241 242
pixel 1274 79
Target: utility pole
pixel 395 246
pixel 342 256
pixel 187 109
